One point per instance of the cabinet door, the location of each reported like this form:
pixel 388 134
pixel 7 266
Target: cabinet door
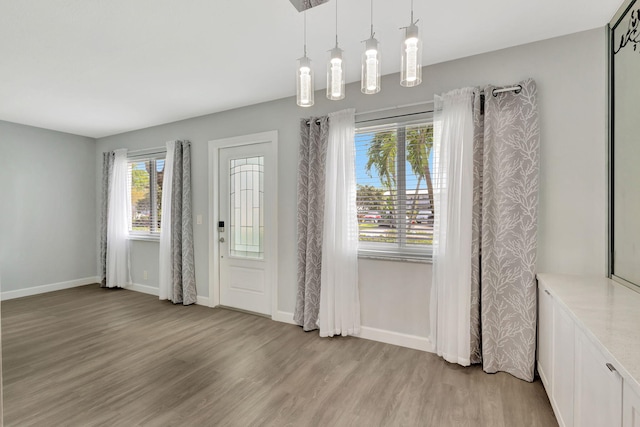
pixel 630 407
pixel 563 366
pixel 598 399
pixel 545 337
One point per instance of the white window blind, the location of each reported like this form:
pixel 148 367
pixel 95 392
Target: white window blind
pixel 394 189
pixel 145 175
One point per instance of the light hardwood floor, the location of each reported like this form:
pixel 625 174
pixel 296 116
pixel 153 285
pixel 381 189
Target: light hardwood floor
pixel 89 356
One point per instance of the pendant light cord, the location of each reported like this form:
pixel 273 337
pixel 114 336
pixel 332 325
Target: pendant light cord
pixel 305 33
pixel 337 23
pixel 372 18
pixel 412 11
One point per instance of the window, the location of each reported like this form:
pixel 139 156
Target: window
pixel 394 189
pixel 247 201
pixel 145 182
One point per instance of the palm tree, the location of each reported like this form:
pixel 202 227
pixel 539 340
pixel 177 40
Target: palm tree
pixel 419 144
pixel 382 153
pixel 382 156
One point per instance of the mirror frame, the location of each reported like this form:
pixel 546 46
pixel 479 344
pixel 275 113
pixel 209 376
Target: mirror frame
pixel 621 13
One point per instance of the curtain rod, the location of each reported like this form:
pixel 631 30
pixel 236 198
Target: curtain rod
pixel 395 117
pixel 516 89
pixel 395 107
pixel 494 92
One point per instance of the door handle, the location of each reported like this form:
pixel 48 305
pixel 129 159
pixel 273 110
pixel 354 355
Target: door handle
pixel 221 240
pixel 611 367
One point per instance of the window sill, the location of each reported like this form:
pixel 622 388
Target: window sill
pixel 145 237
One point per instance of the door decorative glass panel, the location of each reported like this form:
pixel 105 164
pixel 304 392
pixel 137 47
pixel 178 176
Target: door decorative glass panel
pixel 246 204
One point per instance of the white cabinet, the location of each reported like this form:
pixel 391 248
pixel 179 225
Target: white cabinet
pixel 589 384
pixel 556 355
pixel 562 384
pixel 598 386
pixel 545 335
pixel 630 407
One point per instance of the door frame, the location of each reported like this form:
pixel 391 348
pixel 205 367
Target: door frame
pixel 271 182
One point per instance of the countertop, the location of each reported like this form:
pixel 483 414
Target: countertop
pixel 609 314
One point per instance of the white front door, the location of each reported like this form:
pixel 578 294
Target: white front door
pixel 245 225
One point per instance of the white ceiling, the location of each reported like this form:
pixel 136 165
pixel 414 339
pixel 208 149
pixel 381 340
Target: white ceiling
pixel 101 67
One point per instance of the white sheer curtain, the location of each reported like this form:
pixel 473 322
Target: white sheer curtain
pixel 119 223
pixel 166 276
pixel 339 298
pixel 453 172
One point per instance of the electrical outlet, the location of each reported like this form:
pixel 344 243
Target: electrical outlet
pixel 146 276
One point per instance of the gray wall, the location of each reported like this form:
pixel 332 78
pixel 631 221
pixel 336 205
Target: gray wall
pixel 48 213
pixel 570 72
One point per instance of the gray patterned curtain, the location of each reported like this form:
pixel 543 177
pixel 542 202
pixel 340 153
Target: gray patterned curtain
pixel 182 269
pixel 311 178
pixel 505 211
pixel 476 225
pixel 107 169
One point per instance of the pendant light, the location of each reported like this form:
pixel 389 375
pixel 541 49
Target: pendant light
pixel 335 69
pixel 304 77
pixel 370 81
pixel 411 71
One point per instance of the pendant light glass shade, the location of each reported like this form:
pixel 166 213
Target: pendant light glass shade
pixel 335 75
pixel 370 82
pixel 335 69
pixel 304 76
pixel 411 71
pixel 304 83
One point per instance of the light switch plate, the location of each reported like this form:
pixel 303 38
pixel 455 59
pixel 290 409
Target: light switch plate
pixel 199 219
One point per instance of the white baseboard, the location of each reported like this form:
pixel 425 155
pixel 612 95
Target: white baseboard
pixel 396 338
pixel 202 301
pixel 35 290
pixel 145 289
pixel 283 316
pixel 150 290
pixel 389 337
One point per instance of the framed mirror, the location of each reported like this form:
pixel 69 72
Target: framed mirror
pixel 624 144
